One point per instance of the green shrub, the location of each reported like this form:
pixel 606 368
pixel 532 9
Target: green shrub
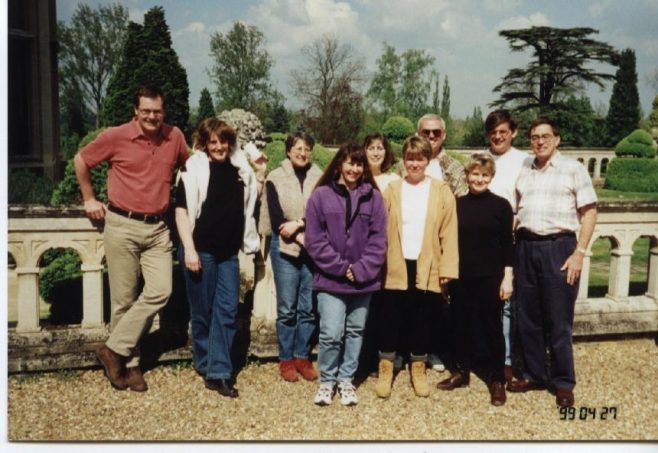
pixel 68 191
pixel 632 175
pixel 57 267
pixel 27 188
pixel 398 128
pixel 278 136
pixel 638 143
pixel 276 152
pixel 396 148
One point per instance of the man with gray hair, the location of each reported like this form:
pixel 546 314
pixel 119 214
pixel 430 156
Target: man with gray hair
pixel 444 168
pixel 441 166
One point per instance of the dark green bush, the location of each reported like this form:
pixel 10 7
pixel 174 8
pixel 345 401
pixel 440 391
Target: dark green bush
pixel 398 128
pixel 632 175
pixel 68 191
pixel 638 143
pixel 28 188
pixel 57 267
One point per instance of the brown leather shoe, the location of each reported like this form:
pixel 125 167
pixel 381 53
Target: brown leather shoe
pixel 564 397
pixel 498 396
pixel 456 380
pixel 524 385
pixel 288 371
pixel 113 365
pixel 305 368
pixel 135 379
pixel 509 374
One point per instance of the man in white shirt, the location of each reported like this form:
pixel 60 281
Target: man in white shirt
pixel 501 129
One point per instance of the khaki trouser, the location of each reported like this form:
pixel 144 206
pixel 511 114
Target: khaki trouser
pixel 133 249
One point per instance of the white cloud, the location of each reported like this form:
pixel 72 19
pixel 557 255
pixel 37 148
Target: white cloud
pixel 502 6
pixel 534 20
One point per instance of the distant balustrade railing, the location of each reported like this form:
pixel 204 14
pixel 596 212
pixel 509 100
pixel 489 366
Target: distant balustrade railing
pixel 34 230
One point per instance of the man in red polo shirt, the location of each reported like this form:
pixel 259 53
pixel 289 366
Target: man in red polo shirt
pixel 142 155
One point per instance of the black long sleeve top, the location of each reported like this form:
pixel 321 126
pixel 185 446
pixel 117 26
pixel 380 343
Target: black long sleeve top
pixel 220 227
pixel 485 235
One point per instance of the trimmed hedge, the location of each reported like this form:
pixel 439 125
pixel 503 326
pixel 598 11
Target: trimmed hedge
pixel 58 267
pixel 638 143
pixel 398 128
pixel 278 137
pixel 68 191
pixel 632 175
pixel 276 152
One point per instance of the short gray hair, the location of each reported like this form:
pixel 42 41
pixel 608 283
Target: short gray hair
pixel 428 117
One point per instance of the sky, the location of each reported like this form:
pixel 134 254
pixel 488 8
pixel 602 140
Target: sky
pixel 462 36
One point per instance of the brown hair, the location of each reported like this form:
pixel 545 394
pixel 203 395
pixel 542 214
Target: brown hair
pixel 355 153
pixel 480 160
pixel 148 91
pixel 498 117
pixel 209 126
pixel 299 135
pixel 389 155
pixel 543 120
pixel 415 146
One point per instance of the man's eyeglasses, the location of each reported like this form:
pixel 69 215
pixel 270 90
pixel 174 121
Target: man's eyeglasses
pixel 149 112
pixel 427 132
pixel 544 137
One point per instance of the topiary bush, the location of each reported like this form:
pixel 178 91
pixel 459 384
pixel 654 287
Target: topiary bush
pixel 57 267
pixel 638 143
pixel 398 128
pixel 67 191
pixel 278 136
pixel 276 152
pixel 27 188
pixel 632 175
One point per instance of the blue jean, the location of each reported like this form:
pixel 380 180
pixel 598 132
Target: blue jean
pixel 508 330
pixel 295 322
pixel 342 322
pixel 213 296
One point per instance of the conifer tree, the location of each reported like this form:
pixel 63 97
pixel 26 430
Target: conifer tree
pixel 148 58
pixel 206 107
pixel 624 112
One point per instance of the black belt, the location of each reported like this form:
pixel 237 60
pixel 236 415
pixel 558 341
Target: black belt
pixel 527 235
pixel 146 218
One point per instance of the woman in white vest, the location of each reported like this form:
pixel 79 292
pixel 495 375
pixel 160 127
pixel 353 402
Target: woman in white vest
pixel 287 190
pixel 215 201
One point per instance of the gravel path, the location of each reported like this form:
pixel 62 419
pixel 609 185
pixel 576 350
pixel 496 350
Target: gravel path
pixel 80 405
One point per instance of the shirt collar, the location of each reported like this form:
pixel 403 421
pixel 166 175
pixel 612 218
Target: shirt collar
pixel 553 162
pixel 164 132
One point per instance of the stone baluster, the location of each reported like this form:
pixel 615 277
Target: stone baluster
pixel 92 295
pixel 620 273
pixel 652 277
pixel 584 276
pixel 28 299
pixel 597 168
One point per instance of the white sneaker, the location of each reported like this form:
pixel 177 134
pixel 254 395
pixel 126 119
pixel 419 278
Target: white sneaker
pixel 323 397
pixel 439 367
pixel 435 363
pixel 347 394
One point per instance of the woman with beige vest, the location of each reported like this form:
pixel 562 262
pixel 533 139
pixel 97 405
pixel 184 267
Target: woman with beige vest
pixel 287 190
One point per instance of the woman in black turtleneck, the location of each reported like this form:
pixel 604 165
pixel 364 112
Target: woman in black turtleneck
pixel 485 280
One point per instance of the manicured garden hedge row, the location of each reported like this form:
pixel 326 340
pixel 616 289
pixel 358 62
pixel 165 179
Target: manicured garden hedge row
pixel 632 175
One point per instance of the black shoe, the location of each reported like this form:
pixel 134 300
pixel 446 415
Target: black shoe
pixel 224 387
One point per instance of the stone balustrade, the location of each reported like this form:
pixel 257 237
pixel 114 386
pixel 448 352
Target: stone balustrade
pixel 34 230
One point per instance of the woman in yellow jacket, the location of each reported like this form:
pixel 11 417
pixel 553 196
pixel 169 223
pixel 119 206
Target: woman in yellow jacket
pixel 422 258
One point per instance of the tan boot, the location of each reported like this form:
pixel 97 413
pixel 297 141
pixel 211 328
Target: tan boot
pixel 385 378
pixel 419 379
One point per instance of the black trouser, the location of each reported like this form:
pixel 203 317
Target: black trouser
pixel 545 305
pixel 406 312
pixel 478 314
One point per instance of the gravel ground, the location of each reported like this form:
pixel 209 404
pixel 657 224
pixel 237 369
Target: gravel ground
pixel 80 405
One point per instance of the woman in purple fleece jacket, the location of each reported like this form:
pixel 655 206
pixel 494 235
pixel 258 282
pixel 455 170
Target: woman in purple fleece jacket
pixel 346 240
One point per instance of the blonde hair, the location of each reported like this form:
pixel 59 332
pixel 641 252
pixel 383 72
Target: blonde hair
pixel 483 160
pixel 414 147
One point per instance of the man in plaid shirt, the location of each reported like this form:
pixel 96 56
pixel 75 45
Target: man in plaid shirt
pixel 555 198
